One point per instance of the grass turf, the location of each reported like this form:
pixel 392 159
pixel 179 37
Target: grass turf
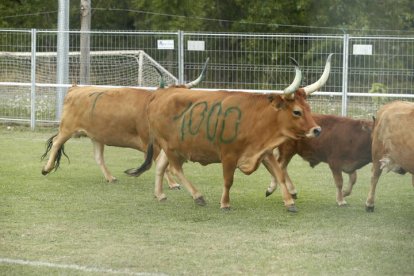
pixel 74 217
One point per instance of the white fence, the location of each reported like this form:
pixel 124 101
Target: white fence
pixel 366 71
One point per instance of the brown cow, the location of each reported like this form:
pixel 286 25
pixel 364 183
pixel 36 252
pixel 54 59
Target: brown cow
pixel 239 130
pixel 392 144
pixel 345 144
pixel 108 116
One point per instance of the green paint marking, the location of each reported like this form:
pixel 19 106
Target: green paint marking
pixel 193 118
pixel 183 121
pixel 236 125
pixel 200 120
pixel 98 94
pixel 213 108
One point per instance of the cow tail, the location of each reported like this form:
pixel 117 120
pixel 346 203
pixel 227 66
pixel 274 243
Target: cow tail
pixel 147 163
pixel 61 151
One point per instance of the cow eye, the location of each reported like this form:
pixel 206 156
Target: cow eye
pixel 297 113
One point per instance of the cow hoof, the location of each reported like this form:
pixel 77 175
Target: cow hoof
pixel 369 209
pixel 269 191
pixel 294 196
pixel 161 197
pixel 44 172
pixel 343 204
pixel 292 208
pixel 200 201
pixel 175 187
pixel 113 181
pixel 226 209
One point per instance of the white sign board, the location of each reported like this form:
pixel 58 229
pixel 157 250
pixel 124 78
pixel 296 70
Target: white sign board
pixel 195 45
pixel 362 49
pixel 165 44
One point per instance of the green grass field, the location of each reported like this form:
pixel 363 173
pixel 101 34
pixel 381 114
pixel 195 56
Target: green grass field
pixel 72 222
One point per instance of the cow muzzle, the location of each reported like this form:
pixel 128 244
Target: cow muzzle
pixel 314 132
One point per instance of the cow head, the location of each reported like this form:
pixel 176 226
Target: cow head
pixel 297 110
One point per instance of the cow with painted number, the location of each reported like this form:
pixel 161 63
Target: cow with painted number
pixel 238 130
pixel 392 144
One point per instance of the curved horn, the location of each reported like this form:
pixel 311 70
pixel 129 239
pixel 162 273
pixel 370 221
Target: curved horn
pixel 319 83
pixel 296 81
pixel 162 82
pixel 200 78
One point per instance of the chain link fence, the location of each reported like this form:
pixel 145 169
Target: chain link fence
pixel 366 71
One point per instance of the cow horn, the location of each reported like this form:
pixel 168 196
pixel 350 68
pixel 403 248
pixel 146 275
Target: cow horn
pixel 318 84
pixel 296 81
pixel 200 78
pixel 162 82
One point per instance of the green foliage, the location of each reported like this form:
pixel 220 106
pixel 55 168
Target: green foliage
pixel 222 16
pixel 73 216
pixel 379 88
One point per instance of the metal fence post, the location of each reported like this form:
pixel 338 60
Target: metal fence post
pixel 62 54
pixel 85 41
pixel 180 57
pixel 345 53
pixel 33 80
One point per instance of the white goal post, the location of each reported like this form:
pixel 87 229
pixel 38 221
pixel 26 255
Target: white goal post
pixel 109 68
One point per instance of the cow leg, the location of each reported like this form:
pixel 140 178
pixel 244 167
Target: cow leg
pixel 228 174
pixel 55 150
pixel 337 175
pixel 177 170
pixel 274 169
pixel 352 181
pixel 171 181
pixel 273 185
pixel 160 168
pixel 283 161
pixel 375 174
pixel 289 184
pixel 98 149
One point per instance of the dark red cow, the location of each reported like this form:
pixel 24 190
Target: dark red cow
pixel 344 144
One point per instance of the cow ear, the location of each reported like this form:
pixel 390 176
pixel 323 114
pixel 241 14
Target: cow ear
pixel 367 126
pixel 270 98
pixel 277 101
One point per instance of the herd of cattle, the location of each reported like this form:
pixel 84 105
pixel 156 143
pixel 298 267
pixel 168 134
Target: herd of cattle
pixel 239 130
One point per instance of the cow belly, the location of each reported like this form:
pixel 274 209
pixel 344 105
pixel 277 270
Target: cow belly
pixel 350 167
pixel 117 139
pixel 201 155
pixel 395 162
pixel 203 158
pixel 399 147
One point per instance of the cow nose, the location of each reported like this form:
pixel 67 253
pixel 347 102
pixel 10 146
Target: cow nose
pixel 316 131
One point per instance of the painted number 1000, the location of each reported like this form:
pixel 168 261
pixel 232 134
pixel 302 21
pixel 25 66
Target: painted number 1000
pixel 217 123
